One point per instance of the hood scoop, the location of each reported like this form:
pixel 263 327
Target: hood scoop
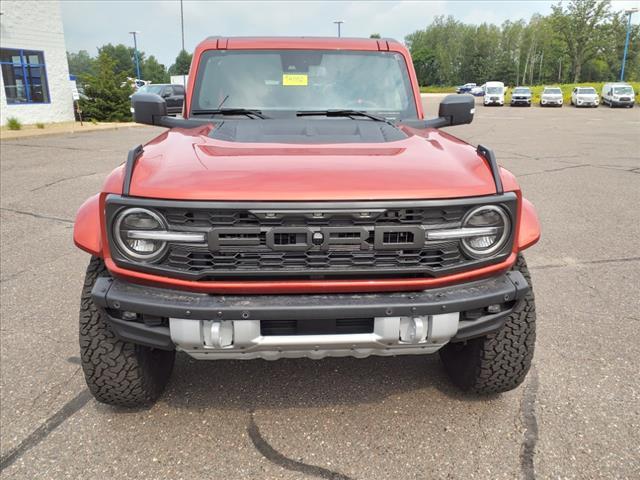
pixel 307 131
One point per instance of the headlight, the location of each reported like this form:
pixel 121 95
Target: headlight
pixel 493 227
pixel 133 231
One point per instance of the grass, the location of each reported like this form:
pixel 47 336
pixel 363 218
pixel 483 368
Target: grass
pixel 13 123
pixel 536 90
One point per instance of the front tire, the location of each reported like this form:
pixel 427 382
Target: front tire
pixel 500 361
pixel 117 372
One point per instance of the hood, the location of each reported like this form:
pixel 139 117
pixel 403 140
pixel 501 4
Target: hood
pixel 189 164
pixel 587 95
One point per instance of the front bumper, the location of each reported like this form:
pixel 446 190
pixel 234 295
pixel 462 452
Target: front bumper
pixel 622 103
pixel 232 327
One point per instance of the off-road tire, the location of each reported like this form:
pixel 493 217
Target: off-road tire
pixel 117 372
pixel 498 362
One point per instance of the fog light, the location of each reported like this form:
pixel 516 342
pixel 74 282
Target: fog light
pixel 493 308
pixel 129 316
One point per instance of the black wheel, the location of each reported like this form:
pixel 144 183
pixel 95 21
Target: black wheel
pixel 117 372
pixel 500 361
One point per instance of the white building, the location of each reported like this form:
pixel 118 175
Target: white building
pixel 35 83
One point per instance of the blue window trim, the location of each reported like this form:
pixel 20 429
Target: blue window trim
pixel 24 64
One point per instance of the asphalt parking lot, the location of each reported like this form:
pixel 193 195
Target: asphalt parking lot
pixel 576 416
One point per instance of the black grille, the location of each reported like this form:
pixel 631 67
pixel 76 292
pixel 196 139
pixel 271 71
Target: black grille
pixel 201 260
pixel 313 240
pixel 229 218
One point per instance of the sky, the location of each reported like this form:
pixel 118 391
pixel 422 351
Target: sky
pixel 90 24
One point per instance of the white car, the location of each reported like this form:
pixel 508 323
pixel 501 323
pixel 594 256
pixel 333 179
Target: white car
pixel 494 93
pixel 551 96
pixel 584 97
pixel 521 96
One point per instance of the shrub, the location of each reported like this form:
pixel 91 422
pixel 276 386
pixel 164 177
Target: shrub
pixel 13 123
pixel 40 125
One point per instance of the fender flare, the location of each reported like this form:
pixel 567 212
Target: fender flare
pixel 87 233
pixel 529 232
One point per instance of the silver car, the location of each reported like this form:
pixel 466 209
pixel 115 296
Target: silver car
pixel 551 96
pixel 521 96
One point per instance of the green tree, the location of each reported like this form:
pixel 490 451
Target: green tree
pixel 80 63
pixel 581 26
pixel 154 71
pixel 375 35
pixel 182 64
pixel 123 58
pixel 107 93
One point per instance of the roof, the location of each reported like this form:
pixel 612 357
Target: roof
pixel 330 43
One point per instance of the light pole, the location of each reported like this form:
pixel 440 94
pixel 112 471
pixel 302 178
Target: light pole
pixel 338 23
pixel 629 12
pixel 135 53
pixel 184 79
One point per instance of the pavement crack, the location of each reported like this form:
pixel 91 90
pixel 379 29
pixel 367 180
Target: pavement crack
pixel 279 459
pixel 530 438
pixel 587 262
pixel 64 179
pixel 48 426
pixel 552 170
pixel 37 215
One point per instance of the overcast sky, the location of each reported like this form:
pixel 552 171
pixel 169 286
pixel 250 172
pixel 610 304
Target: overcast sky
pixel 90 24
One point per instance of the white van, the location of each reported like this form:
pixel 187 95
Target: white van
pixel 618 95
pixel 494 93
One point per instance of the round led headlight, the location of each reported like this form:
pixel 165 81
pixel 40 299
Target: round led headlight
pixel 133 232
pixel 495 222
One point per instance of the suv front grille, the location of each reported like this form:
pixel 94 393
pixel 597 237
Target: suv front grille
pixel 256 241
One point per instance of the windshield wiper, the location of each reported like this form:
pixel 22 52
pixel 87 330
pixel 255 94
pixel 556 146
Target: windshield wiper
pixel 342 113
pixel 231 111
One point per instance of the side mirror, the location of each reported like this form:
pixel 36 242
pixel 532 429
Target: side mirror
pixel 454 110
pixel 457 109
pixel 166 94
pixel 148 108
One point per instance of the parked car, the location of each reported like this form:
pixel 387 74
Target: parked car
pixel 521 96
pixel 551 96
pixel 466 88
pixel 494 93
pixel 282 224
pixel 618 95
pixel 477 91
pixel 584 97
pixel 173 95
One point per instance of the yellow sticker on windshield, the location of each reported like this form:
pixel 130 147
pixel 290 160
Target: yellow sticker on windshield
pixel 295 79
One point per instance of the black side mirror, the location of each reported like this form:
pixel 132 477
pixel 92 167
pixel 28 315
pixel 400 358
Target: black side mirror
pixel 454 110
pixel 148 108
pixel 457 109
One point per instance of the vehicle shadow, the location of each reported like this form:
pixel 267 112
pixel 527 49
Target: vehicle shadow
pixel 290 383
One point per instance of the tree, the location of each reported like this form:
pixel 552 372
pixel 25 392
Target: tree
pixel 123 57
pixel 182 64
pixel 375 35
pixel 107 92
pixel 154 71
pixel 581 26
pixel 80 63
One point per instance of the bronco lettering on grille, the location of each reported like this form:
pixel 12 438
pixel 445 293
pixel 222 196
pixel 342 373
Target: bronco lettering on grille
pixel 318 238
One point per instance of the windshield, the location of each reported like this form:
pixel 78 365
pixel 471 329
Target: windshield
pixel 553 91
pixel 587 91
pixel 623 91
pixel 157 89
pixel 494 89
pixel 522 90
pixel 298 80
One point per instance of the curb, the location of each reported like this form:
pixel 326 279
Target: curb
pixel 18 134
